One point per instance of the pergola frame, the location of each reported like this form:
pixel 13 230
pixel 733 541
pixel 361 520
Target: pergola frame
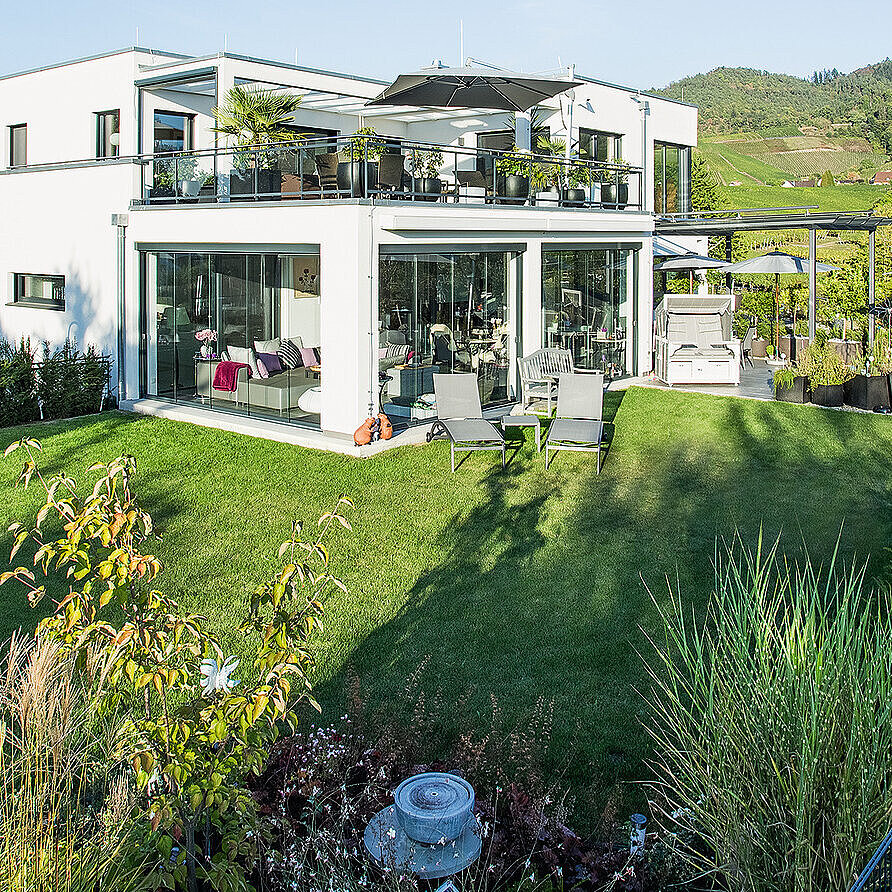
pixel 727 223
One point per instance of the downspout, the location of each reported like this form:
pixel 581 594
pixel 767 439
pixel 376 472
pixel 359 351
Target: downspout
pixel 120 221
pixel 374 387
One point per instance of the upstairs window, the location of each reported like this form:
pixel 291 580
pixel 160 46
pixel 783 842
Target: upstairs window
pixel 596 145
pixel 173 132
pixel 18 145
pixel 108 136
pixel 39 291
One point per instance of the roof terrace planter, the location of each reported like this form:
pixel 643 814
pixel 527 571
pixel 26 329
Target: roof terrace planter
pixel 867 391
pixel 830 396
pixel 615 195
pixel 795 392
pixel 427 188
pixel 251 182
pixel 357 178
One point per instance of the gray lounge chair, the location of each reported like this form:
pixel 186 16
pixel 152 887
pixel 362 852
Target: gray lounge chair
pixel 579 422
pixel 460 417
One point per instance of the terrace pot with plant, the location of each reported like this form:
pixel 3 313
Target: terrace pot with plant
pixel 579 178
pixel 358 167
pixel 789 386
pixel 548 169
pixel 870 387
pixel 515 168
pixel 827 373
pixel 256 119
pixel 425 165
pixel 615 184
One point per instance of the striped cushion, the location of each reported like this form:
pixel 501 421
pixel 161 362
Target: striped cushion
pixel 289 355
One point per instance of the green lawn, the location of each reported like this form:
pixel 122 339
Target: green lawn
pixel 521 584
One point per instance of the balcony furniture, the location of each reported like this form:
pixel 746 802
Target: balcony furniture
pixel 746 347
pixel 444 348
pixel 539 373
pixel 391 170
pixel 524 421
pixel 692 343
pixel 392 350
pixel 279 393
pixel 296 185
pixel 579 422
pixel 471 185
pixel 460 417
pixel 327 168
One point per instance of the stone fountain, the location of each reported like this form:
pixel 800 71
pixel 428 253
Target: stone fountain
pixel 430 830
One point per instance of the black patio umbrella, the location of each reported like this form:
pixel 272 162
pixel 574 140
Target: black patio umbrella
pixel 471 87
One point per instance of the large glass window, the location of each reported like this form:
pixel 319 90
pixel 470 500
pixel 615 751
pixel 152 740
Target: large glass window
pixel 596 145
pixel 443 312
pixel 204 309
pixel 672 179
pixel 18 145
pixel 173 132
pixel 108 125
pixel 586 304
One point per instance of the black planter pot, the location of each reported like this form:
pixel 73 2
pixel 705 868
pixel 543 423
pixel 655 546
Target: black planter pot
pixel 827 395
pixel 867 391
pixel 269 182
pixel 517 187
pixel 798 393
pixel 357 177
pixel 611 196
pixel 427 188
pixel 574 196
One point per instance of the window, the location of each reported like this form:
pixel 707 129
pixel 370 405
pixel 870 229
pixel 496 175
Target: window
pixel 18 145
pixel 108 137
pixel 43 292
pixel 672 179
pixel 596 145
pixel 173 132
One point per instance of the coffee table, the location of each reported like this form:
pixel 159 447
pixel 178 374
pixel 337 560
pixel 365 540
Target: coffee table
pixel 524 421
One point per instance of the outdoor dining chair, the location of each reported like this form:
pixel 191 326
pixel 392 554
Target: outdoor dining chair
pixel 579 421
pixel 746 347
pixel 460 417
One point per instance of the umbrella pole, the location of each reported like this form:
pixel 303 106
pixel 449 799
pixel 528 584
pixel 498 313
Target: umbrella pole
pixel 777 314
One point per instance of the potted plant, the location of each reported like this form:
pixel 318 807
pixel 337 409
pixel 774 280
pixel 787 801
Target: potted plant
pixel 870 387
pixel 579 177
pixel 615 184
pixel 789 386
pixel 548 175
pixel 358 171
pixel 256 119
pixel 827 374
pixel 515 168
pixel 425 165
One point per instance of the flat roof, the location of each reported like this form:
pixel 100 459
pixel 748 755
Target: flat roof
pixel 180 57
pixel 758 219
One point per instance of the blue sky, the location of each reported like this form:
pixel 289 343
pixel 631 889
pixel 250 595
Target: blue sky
pixel 644 43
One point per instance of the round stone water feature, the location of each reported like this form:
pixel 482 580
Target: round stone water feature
pixel 430 830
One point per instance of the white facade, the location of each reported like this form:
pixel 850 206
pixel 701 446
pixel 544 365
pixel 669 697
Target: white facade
pixel 57 209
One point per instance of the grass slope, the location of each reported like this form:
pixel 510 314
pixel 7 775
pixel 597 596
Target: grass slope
pixel 519 585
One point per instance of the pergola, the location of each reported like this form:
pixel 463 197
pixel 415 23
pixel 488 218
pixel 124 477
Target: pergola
pixel 727 223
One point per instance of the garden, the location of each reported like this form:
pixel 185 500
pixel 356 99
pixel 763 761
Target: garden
pixel 696 635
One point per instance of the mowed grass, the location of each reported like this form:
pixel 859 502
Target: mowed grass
pixel 516 585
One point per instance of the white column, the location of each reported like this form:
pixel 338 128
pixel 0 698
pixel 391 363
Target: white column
pixel 645 308
pixel 531 299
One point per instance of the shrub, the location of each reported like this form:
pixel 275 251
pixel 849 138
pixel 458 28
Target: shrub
pixel 18 384
pixel 784 378
pixel 772 723
pixel 821 364
pixel 72 383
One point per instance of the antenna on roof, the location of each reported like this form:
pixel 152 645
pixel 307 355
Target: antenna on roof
pixel 461 42
pixel 295 55
pixel 137 35
pixel 225 42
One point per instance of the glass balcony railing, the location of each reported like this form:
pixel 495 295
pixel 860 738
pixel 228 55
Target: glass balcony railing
pixel 387 169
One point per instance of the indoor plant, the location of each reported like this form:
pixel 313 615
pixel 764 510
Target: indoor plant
pixel 790 386
pixel 256 119
pixel 870 387
pixel 425 165
pixel 358 171
pixel 826 372
pixel 515 167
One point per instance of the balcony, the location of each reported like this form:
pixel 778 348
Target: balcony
pixel 379 168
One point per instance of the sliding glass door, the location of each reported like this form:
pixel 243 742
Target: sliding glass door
pixel 586 306
pixel 204 309
pixel 444 312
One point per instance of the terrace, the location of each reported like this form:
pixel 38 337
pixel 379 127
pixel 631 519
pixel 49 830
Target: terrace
pixel 381 168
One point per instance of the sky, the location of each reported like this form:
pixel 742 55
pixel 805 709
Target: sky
pixel 644 44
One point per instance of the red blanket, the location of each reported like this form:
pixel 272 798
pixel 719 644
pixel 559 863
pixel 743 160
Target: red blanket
pixel 226 375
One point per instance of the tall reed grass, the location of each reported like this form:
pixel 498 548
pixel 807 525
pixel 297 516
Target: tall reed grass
pixel 66 812
pixel 772 723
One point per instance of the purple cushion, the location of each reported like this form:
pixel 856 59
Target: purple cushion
pixel 271 361
pixel 261 368
pixel 308 355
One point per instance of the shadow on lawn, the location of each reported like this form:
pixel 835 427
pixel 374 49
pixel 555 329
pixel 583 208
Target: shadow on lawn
pixel 543 585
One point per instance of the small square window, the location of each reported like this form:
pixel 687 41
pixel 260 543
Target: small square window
pixel 41 292
pixel 18 145
pixel 108 135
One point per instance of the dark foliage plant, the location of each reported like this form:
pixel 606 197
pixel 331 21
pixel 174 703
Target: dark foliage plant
pixel 18 384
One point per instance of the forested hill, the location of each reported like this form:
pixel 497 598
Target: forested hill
pixel 744 99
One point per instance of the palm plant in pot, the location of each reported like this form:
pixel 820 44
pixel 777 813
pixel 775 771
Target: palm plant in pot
pixel 358 169
pixel 515 168
pixel 256 119
pixel 425 165
pixel 579 179
pixel 870 387
pixel 827 373
pixel 548 169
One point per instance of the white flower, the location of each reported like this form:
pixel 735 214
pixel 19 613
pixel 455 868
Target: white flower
pixel 391 833
pixel 216 678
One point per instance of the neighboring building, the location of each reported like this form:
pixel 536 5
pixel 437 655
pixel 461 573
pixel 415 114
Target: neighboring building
pixel 129 224
pixel 881 178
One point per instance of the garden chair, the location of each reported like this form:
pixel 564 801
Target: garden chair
pixel 460 417
pixel 579 422
pixel 539 374
pixel 327 168
pixel 746 347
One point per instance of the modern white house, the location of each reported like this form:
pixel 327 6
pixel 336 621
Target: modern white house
pixel 129 223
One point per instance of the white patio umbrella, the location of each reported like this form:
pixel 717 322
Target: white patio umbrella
pixel 776 263
pixel 471 87
pixel 691 262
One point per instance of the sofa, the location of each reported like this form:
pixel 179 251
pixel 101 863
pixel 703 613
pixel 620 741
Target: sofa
pixel 393 349
pixel 278 393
